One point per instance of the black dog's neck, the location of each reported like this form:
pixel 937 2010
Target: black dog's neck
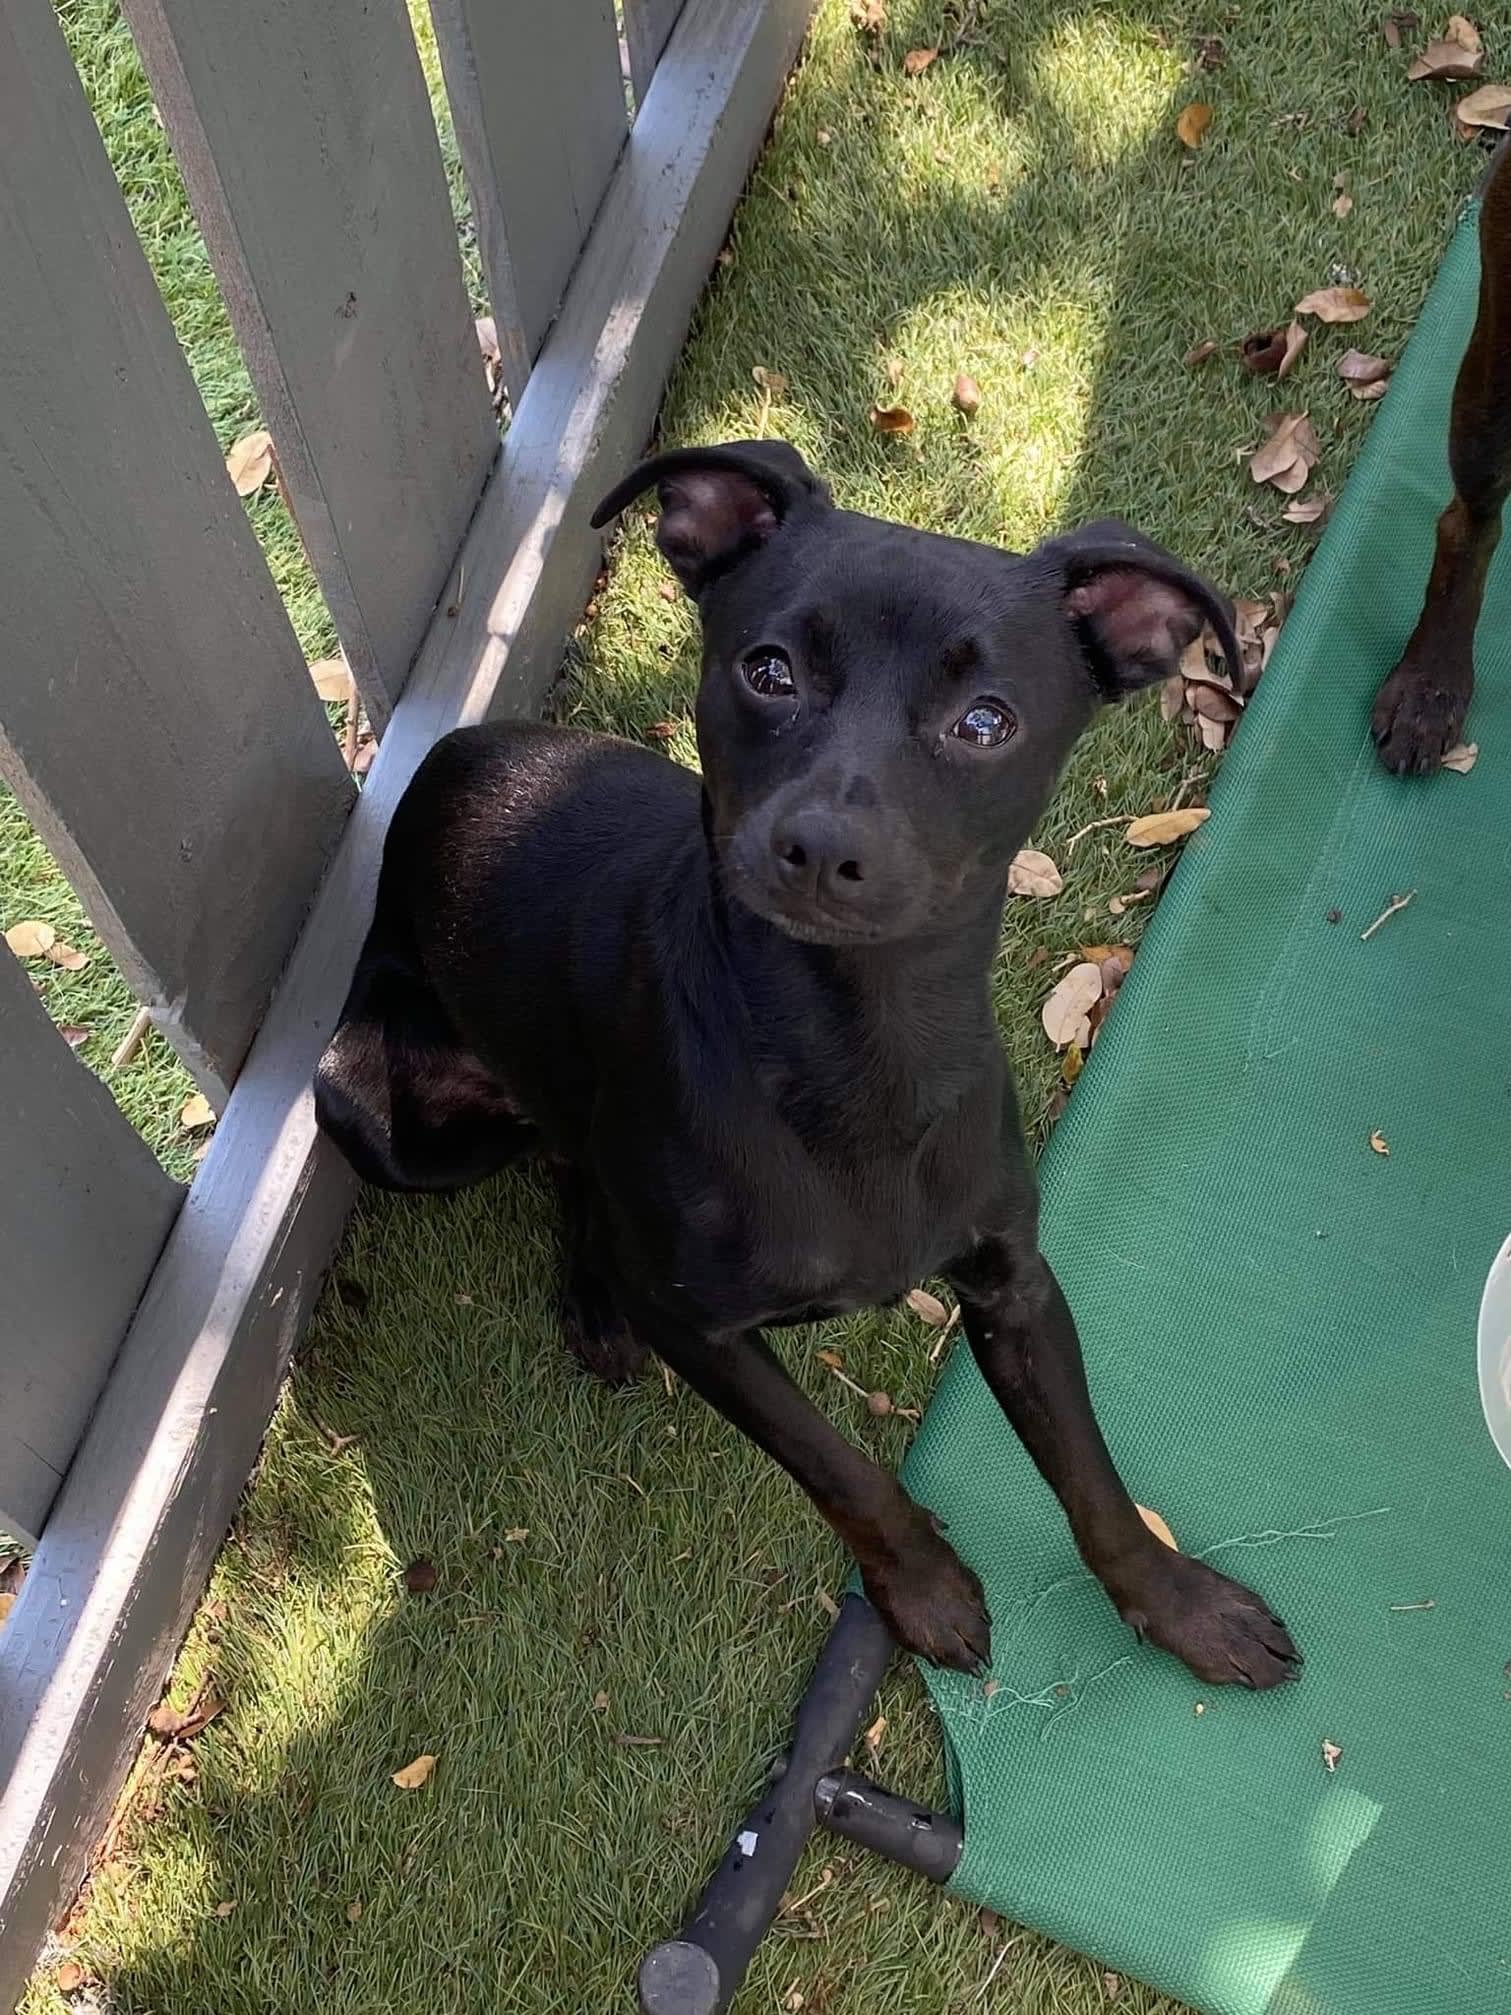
pixel 861 1043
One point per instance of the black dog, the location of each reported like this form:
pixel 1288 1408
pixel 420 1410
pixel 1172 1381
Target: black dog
pixel 748 1021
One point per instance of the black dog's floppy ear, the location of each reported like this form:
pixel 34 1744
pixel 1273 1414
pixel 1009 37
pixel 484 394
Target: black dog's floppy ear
pixel 1135 606
pixel 717 504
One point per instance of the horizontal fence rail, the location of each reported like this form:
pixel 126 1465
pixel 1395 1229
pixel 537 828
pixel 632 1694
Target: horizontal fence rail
pixel 304 133
pixel 156 717
pixel 83 1215
pixel 647 27
pixel 537 95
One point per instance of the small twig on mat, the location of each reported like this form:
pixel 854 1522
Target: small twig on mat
pixel 997 1967
pixel 1400 1608
pixel 1395 903
pixel 131 1042
pixel 1118 819
pixel 943 1336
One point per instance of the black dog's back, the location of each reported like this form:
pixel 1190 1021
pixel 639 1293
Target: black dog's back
pixel 416 1084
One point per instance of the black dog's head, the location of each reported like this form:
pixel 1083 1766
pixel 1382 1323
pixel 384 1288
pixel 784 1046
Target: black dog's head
pixel 884 712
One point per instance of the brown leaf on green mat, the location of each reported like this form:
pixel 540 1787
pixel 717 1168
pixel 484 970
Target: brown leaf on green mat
pixel 420 1576
pixel 250 462
pixel 1157 1526
pixel 1331 1751
pixel 966 397
pixel 1336 304
pixel 1064 1013
pixel 415 1774
pixel 830 1358
pixel 927 1307
pixel 1160 829
pixel 1462 757
pixel 170 1724
pixel 331 680
pixel 1379 1143
pixel 1489 108
pixel 1114 966
pixel 68 956
pixel 770 382
pixel 1210 52
pixel 75 1033
pixel 1457 53
pixel 917 61
pixel 891 419
pixel 1191 126
pixel 196 1112
pixel 1261 353
pixel 869 16
pixel 1199 352
pixel 1031 873
pixel 69 1977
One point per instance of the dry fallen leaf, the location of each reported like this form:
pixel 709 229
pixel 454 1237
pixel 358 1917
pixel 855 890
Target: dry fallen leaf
pixel 1358 367
pixel 331 680
pixel 1031 873
pixel 75 1033
pixel 250 462
pixel 1336 304
pixel 1489 107
pixel 1157 1526
pixel 1191 126
pixel 413 1775
pixel 1270 353
pixel 224 1909
pixel 69 1977
pixel 420 1576
pixel 1305 510
pixel 966 397
pixel 196 1112
pixel 1331 1751
pixel 928 1307
pixel 68 956
pixel 1288 457
pixel 1462 757
pixel 1158 829
pixel 891 419
pixel 917 61
pixel 1199 352
pixel 32 939
pixel 771 382
pixel 1064 1013
pixel 831 1358
pixel 1457 53
pixel 1378 1142
pixel 870 16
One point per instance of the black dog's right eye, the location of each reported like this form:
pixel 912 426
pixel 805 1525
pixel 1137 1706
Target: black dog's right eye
pixel 770 675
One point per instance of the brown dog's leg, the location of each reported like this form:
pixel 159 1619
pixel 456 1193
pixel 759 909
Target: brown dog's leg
pixel 1419 711
pixel 932 1602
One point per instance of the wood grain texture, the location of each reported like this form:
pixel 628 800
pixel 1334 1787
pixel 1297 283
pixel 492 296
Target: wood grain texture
pixel 306 141
pixel 81 1223
pixel 138 1521
pixel 156 717
pixel 647 28
pixel 537 96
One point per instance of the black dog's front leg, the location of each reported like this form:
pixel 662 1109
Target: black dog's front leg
pixel 930 1599
pixel 1024 1339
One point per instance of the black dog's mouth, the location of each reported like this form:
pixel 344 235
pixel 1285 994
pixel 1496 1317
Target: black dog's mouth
pixel 806 924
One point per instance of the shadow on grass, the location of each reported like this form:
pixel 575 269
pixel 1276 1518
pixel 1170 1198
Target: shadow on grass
pixel 627 1596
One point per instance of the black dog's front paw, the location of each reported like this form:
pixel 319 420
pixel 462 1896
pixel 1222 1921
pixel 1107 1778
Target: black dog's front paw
pixel 1419 715
pixel 933 1604
pixel 1220 1629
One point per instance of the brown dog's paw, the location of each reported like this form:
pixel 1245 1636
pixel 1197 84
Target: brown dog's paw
pixel 600 1339
pixel 1220 1629
pixel 1418 717
pixel 934 1605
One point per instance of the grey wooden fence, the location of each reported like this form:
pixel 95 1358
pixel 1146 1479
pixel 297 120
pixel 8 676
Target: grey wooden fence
pixel 158 725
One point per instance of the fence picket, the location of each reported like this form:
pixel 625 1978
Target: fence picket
pixel 156 717
pixel 310 155
pixel 81 1222
pixel 537 95
pixel 647 29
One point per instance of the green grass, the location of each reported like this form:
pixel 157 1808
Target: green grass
pixel 1024 195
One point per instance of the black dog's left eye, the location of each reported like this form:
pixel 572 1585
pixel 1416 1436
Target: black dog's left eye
pixel 985 725
pixel 770 675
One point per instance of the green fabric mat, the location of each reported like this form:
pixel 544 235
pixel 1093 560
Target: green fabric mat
pixel 1280 1328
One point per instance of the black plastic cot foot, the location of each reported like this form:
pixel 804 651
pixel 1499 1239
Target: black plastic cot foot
pixel 699 1972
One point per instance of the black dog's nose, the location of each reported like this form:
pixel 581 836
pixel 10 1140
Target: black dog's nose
pixel 819 854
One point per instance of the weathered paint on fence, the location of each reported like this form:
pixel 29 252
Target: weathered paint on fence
pixel 144 1507
pixel 647 28
pixel 308 148
pixel 156 717
pixel 86 1210
pixel 537 95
